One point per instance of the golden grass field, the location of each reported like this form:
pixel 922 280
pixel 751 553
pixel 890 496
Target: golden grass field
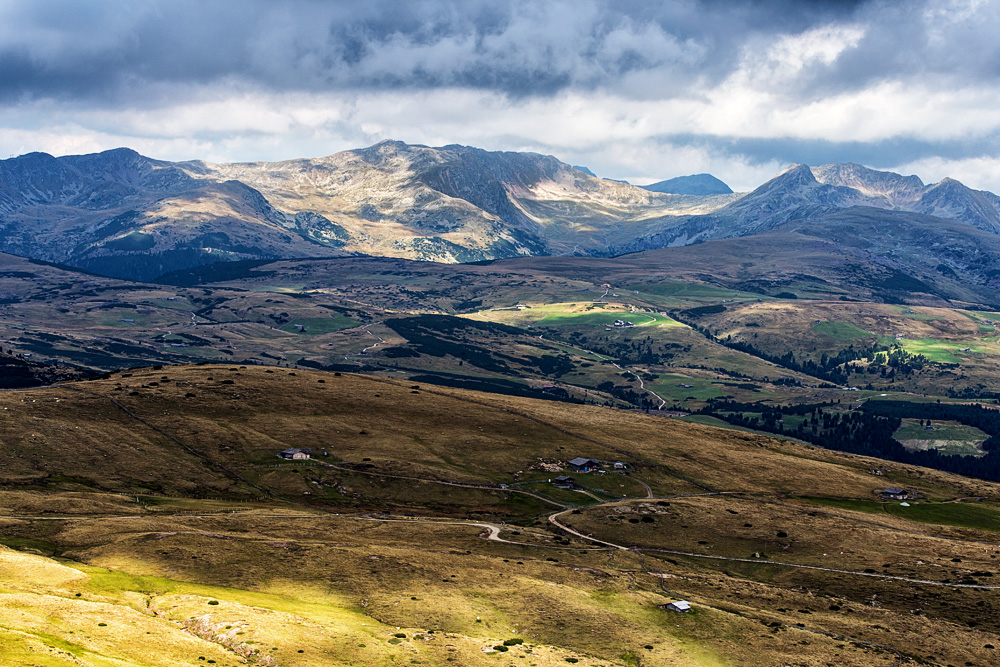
pixel 148 521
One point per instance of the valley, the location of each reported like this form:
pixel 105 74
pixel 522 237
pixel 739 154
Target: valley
pixel 655 338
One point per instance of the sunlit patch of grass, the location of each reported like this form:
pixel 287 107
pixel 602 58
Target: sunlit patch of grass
pixel 943 352
pixel 319 325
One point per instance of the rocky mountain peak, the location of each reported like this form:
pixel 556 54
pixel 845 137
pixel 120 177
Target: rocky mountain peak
pixel 794 177
pixel 888 189
pixel 952 199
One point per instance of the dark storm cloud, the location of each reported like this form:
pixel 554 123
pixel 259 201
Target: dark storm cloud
pixel 750 83
pixel 68 49
pixel 952 42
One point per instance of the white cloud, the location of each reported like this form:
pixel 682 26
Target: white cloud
pixel 74 139
pixel 642 95
pixel 794 56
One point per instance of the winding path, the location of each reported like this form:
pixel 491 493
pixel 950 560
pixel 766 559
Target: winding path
pixel 642 385
pixel 379 341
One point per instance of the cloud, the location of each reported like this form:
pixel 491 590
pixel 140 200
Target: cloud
pixel 68 49
pixel 633 89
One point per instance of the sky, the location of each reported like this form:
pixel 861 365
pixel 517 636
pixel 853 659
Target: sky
pixel 634 90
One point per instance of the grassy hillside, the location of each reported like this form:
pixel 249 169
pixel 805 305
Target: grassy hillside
pixel 153 501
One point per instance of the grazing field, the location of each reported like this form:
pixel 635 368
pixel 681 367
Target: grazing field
pixel 841 330
pixel 969 513
pixel 160 527
pixel 319 325
pixel 578 314
pixel 947 437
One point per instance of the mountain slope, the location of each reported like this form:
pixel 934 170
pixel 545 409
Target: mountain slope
pixel 861 253
pixel 129 216
pixel 801 192
pixel 431 203
pixel 697 184
pixel 181 538
pixel 891 189
pixel 951 199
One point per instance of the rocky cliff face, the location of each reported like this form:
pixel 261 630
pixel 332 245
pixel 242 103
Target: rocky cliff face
pixel 883 189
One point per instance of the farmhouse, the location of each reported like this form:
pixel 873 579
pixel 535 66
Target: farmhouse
pixel 292 454
pixel 583 465
pixel 894 493
pixel 681 606
pixel 563 482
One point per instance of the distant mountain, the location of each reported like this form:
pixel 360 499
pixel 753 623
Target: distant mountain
pixel 893 190
pixel 121 214
pixel 950 199
pixel 860 253
pixel 129 216
pixel 698 184
pixel 125 215
pixel 801 192
pixel 458 203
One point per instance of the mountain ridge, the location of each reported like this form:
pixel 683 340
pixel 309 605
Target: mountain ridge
pixel 130 216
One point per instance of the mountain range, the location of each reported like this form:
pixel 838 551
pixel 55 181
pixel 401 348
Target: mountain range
pixel 802 192
pixel 125 215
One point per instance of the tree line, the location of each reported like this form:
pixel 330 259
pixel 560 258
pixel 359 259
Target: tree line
pixel 869 431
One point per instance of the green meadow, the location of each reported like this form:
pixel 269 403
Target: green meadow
pixel 983 516
pixel 320 325
pixel 841 330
